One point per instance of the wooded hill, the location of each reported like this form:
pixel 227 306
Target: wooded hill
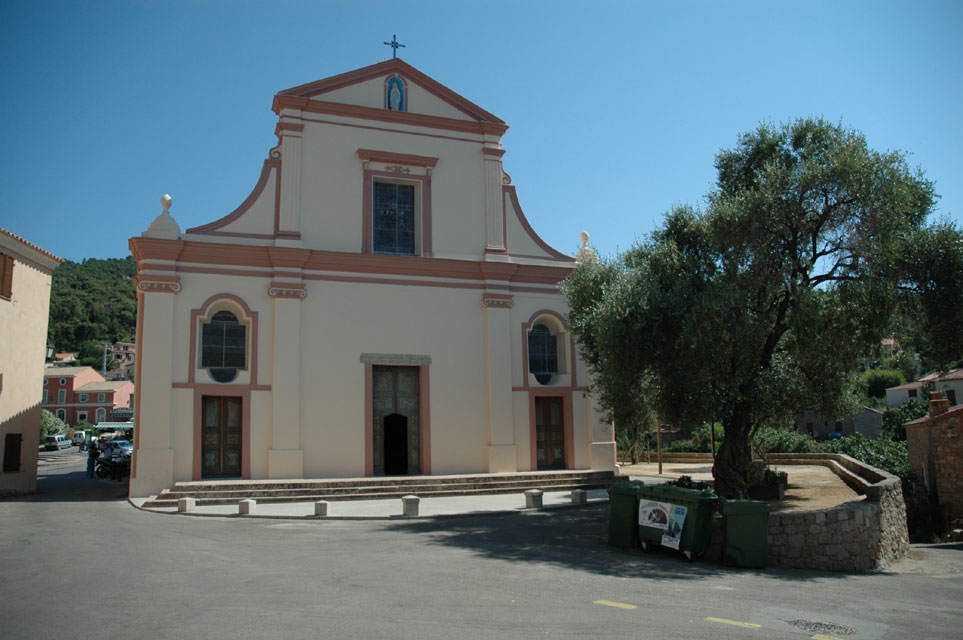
pixel 92 301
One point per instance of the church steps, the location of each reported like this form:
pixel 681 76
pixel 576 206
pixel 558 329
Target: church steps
pixel 273 491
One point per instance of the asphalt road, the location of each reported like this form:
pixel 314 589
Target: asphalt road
pixel 76 561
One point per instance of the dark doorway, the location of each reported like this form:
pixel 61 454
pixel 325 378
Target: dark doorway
pixel 220 437
pixel 396 445
pixel 396 398
pixel 549 433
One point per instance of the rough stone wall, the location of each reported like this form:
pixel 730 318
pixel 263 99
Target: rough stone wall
pixel 853 537
pixel 948 463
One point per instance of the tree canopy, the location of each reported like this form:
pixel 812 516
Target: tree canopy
pixel 763 304
pixel 93 300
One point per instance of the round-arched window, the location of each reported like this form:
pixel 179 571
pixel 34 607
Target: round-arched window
pixel 542 353
pixel 223 346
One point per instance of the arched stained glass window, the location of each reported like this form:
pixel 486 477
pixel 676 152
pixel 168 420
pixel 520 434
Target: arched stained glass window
pixel 223 346
pixel 542 353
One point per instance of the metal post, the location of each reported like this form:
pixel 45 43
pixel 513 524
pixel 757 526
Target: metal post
pixel 658 440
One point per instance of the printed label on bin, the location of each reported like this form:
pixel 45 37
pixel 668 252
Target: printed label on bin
pixel 673 529
pixel 654 514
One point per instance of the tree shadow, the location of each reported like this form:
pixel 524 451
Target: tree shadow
pixel 573 539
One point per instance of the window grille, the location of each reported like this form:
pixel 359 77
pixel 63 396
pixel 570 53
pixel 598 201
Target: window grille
pixel 542 353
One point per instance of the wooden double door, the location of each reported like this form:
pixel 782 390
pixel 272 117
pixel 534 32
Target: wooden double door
pixel 550 433
pixel 397 420
pixel 221 433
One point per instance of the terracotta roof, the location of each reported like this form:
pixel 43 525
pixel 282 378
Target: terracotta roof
pixel 908 385
pixel 111 385
pixel 955 408
pixel 30 244
pixel 64 372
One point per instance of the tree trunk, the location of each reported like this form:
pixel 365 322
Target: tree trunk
pixel 731 469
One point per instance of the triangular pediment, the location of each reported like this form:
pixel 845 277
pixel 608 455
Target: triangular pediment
pixel 365 88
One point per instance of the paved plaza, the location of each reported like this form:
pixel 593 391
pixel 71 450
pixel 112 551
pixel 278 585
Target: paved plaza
pixel 79 560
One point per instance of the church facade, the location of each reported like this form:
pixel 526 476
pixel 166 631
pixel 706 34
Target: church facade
pixel 378 305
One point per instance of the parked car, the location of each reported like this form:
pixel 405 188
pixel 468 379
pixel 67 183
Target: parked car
pixel 79 437
pixel 55 443
pixel 124 446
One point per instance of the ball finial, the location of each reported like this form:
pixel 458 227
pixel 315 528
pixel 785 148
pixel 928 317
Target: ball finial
pixel 166 201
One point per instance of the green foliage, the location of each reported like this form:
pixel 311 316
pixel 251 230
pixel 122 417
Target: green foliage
pixel 773 440
pixel 894 419
pixel 93 301
pixel 50 425
pixel 765 304
pixel 879 452
pixel 877 381
pixel 700 441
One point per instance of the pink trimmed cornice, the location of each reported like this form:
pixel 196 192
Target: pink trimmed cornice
pixel 395 65
pixel 374 155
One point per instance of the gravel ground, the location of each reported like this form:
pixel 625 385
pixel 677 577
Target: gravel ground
pixel 811 487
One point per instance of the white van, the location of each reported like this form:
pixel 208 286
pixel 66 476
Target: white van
pixel 55 443
pixel 79 438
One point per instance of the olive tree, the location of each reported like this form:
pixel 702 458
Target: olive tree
pixel 763 304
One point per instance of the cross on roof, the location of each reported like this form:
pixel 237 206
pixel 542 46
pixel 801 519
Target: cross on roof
pixel 394 45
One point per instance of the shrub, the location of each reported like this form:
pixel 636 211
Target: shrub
pixel 774 440
pixel 877 381
pixel 894 419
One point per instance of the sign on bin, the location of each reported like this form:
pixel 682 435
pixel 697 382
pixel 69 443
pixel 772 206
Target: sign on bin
pixel 670 518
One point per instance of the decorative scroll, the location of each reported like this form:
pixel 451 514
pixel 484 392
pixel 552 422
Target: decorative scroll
pixel 395 359
pixel 396 168
pixel 159 284
pixel 283 290
pixel 497 301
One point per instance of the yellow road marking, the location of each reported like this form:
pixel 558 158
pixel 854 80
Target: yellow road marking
pixel 748 625
pixel 617 605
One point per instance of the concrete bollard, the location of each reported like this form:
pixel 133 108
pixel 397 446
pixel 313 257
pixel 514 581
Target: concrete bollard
pixel 579 496
pixel 186 505
pixel 533 499
pixel 246 507
pixel 410 505
pixel 320 508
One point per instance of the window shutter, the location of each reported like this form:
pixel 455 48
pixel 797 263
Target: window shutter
pixel 6 286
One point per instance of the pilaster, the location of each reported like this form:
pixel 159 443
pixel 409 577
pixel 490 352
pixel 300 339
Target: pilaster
pixel 289 217
pixel 494 200
pixel 154 463
pixel 498 382
pixel 285 458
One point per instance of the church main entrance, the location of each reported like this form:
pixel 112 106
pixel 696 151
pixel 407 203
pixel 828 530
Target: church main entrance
pixel 396 413
pixel 549 433
pixel 220 437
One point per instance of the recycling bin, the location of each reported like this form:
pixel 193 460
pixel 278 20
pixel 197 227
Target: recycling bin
pixel 623 507
pixel 747 533
pixel 676 518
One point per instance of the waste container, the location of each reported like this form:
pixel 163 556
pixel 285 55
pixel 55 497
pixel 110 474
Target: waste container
pixel 623 507
pixel 662 522
pixel 747 533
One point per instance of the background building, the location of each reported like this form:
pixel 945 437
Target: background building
pixel 25 274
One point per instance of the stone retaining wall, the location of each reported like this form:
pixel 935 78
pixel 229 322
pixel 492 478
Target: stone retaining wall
pixel 857 536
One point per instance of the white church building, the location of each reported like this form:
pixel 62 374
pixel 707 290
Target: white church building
pixel 378 305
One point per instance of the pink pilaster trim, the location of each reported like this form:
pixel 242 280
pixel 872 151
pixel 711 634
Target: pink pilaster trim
pixel 425 411
pixel 368 421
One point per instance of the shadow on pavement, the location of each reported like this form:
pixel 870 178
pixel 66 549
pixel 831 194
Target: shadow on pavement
pixel 573 539
pixel 70 484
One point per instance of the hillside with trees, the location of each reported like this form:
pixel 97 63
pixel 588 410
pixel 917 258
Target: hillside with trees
pixel 92 301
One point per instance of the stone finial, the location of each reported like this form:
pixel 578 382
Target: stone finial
pixel 164 225
pixel 585 255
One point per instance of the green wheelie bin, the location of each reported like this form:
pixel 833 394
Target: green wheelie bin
pixel 659 519
pixel 623 507
pixel 747 533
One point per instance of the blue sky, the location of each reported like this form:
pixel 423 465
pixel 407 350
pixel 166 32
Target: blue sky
pixel 616 108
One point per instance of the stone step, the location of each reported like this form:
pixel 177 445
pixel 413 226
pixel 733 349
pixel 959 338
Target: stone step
pixel 163 501
pixel 392 480
pixel 254 491
pixel 233 491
